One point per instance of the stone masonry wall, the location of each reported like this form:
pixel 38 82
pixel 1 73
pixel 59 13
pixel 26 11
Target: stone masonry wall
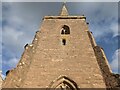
pixel 47 58
pixel 75 60
pixel 16 77
pixel 111 80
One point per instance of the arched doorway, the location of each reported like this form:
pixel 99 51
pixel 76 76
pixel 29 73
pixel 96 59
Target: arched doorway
pixel 63 83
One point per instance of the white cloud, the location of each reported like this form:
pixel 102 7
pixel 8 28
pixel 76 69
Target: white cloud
pixel 11 62
pixel 100 32
pixel 3 76
pixel 115 64
pixel 114 29
pixel 20 28
pixel 11 39
pixel 102 21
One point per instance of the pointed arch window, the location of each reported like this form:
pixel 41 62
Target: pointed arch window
pixel 64 82
pixel 65 30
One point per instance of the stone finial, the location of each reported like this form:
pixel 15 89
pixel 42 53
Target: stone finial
pixel 64 11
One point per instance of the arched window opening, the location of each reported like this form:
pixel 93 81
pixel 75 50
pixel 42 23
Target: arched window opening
pixel 64 41
pixel 65 30
pixel 63 83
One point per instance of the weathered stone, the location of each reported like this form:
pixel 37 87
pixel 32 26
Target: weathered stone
pixel 62 54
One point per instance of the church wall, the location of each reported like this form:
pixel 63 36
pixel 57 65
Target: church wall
pixel 76 59
pixel 56 59
pixel 110 80
pixel 15 78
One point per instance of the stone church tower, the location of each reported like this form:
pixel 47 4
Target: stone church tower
pixel 63 54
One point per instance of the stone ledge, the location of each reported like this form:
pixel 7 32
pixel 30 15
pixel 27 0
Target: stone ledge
pixel 64 17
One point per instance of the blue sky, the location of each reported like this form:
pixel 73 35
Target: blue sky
pixel 20 21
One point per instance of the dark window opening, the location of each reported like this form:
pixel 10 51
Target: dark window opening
pixel 65 30
pixel 64 41
pixel 62 32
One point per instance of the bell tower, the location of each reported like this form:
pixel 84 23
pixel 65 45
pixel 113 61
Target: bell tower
pixel 63 54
